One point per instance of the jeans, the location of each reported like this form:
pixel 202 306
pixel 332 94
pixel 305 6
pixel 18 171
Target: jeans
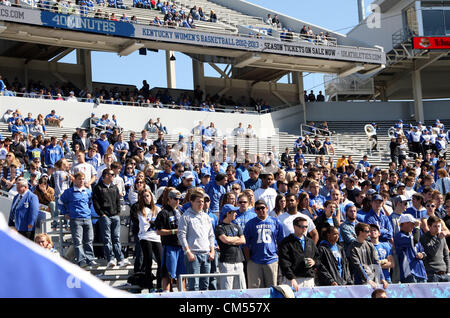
pixel 214 267
pixel 110 235
pixel 200 265
pixel 83 236
pixel 436 278
pixel 411 279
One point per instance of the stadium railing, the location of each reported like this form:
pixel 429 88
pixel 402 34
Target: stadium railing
pixel 218 107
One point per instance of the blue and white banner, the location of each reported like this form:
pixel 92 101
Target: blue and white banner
pixel 27 270
pixel 190 36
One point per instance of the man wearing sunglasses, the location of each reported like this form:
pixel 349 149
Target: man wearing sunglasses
pixel 298 256
pixel 262 235
pixel 172 263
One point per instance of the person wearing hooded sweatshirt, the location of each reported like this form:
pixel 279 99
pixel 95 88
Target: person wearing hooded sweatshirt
pixel 333 268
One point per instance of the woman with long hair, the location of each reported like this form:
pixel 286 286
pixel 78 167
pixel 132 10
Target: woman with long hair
pixel 280 206
pixel 303 205
pixel 228 198
pixel 149 240
pixel 251 197
pixel 138 186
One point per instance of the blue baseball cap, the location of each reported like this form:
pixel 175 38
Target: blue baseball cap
pixel 227 208
pixel 377 197
pixel 205 172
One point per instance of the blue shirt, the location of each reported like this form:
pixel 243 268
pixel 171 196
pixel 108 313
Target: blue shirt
pixel 243 218
pixel 164 178
pixel 102 146
pixel 262 238
pixel 242 173
pixel 337 255
pixel 383 223
pixel 215 193
pixel 76 203
pixel 53 154
pixel 384 249
pixel 253 184
pixel 417 214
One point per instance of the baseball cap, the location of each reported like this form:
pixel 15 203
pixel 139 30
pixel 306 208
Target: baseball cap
pixel 188 175
pixel 375 226
pixel 405 218
pixel 227 208
pixel 205 172
pixel 174 194
pixel 377 197
pixel 371 191
pixel 401 184
pixel 103 132
pixel 399 198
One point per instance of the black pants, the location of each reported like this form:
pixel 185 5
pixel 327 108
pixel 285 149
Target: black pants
pixel 150 249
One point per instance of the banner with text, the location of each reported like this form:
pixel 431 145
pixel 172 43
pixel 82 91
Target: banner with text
pixel 190 36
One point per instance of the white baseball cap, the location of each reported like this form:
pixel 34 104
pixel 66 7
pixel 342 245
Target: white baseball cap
pixel 405 218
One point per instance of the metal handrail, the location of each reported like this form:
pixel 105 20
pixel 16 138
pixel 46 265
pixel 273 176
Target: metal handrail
pixel 314 129
pixel 218 107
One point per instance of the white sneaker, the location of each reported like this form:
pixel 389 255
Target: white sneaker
pixel 111 263
pixel 124 263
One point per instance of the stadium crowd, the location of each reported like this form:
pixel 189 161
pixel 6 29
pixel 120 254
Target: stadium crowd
pixel 198 206
pixel 195 100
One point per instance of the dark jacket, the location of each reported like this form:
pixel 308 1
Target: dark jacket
pixel 328 271
pixel 292 257
pixel 322 224
pixel 134 217
pixel 106 200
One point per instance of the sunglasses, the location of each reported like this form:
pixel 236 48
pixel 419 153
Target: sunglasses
pixel 236 188
pixel 260 208
pixel 431 206
pixel 366 231
pixel 301 226
pixel 243 202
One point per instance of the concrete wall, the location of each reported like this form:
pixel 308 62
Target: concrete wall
pixel 177 121
pixel 135 118
pixel 344 111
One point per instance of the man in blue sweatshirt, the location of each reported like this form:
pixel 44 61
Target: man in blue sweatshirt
pixel 409 252
pixel 377 216
pixel 53 153
pixel 75 204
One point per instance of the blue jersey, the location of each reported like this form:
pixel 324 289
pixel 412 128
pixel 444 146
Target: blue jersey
pixel 384 249
pixel 383 223
pixel 417 214
pixel 262 238
pixel 164 178
pixel 243 218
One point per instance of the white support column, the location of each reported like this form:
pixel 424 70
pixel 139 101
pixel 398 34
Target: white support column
pixel 170 70
pixel 417 94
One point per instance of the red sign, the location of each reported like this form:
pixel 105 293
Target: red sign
pixel 432 43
